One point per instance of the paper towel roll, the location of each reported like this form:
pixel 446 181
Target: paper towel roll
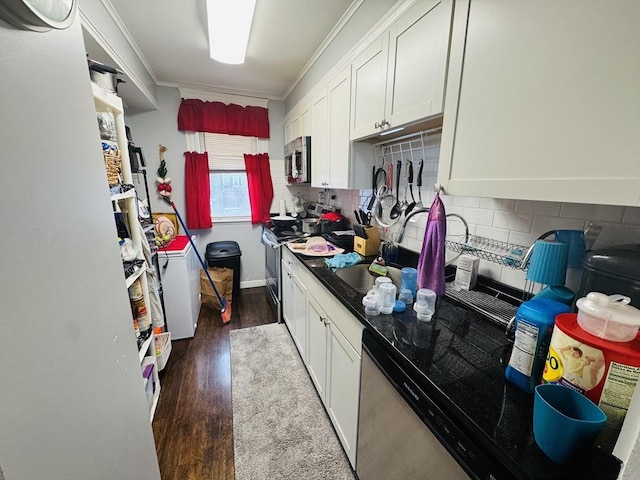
pixel 283 207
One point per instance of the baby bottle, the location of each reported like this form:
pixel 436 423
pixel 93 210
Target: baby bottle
pixel 387 297
pixel 425 304
pixel 409 280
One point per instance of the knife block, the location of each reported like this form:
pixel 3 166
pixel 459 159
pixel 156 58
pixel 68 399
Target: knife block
pixel 367 246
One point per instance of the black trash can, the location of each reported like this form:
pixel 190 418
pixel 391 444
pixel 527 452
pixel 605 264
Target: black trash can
pixel 226 254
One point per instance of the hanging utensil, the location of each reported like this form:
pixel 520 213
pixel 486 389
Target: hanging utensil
pixel 405 203
pixel 412 205
pixel 420 204
pixel 397 208
pixel 373 190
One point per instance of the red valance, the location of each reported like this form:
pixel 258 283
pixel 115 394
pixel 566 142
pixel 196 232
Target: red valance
pixel 215 117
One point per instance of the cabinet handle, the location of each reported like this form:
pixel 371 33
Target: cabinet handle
pixel 384 122
pixel 376 125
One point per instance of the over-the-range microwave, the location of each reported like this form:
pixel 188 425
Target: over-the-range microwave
pixel 297 161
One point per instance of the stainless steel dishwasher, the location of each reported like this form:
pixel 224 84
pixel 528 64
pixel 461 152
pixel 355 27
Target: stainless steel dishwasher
pixel 394 442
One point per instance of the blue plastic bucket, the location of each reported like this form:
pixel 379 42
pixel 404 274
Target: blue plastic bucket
pixel 564 421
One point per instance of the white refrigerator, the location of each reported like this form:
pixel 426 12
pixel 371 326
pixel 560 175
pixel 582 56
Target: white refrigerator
pixel 180 273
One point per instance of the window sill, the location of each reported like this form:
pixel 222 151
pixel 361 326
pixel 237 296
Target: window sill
pixel 218 220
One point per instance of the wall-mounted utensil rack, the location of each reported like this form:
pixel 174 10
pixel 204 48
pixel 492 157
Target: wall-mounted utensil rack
pixel 494 251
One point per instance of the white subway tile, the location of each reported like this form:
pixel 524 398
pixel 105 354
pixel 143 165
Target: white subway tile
pixel 413 245
pixel 466 201
pixel 631 215
pixel 538 208
pixel 520 238
pixel 498 204
pixel 514 278
pixel 520 222
pixel 542 224
pixel 494 233
pixel 608 213
pixel 489 269
pixel 478 216
pixel 617 234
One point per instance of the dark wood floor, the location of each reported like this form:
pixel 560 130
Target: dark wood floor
pixel 193 424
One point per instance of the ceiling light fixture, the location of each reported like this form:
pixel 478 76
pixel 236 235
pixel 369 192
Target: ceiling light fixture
pixel 229 23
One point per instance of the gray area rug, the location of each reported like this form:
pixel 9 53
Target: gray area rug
pixel 280 428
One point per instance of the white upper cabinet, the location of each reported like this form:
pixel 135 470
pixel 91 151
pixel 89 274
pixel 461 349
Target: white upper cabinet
pixel 305 120
pixel 400 78
pixel 369 81
pixel 335 161
pixel 543 102
pixel 339 98
pixel 320 140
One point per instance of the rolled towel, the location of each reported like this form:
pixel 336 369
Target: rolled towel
pixel 342 260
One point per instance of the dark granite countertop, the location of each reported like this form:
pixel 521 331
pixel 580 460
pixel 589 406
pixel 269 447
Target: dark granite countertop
pixel 459 359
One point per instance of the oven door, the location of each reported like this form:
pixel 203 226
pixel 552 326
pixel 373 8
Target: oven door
pixel 272 271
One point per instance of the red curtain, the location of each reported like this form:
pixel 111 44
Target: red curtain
pixel 215 117
pixel 197 190
pixel 260 186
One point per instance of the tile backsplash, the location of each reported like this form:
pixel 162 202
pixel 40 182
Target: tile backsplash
pixel 517 222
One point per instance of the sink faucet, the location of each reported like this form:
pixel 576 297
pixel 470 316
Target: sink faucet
pixel 399 235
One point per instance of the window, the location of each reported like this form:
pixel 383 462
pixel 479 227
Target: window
pixel 229 192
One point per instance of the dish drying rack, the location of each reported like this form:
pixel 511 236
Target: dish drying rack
pixel 495 251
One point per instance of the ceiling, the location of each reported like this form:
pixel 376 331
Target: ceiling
pixel 171 37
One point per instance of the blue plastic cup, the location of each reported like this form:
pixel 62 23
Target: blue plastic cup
pixel 564 421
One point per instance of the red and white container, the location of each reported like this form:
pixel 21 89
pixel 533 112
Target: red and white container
pixel 606 372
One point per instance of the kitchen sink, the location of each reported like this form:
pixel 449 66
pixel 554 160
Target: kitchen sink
pixel 361 279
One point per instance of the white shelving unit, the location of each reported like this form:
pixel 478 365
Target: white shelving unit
pixel 125 202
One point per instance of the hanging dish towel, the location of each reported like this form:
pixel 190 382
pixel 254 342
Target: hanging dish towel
pixel 342 260
pixel 432 256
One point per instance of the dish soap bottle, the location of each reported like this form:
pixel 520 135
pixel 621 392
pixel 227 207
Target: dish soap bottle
pixel 533 326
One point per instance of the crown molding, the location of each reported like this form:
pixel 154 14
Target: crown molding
pixel 395 12
pixel 212 94
pixel 111 51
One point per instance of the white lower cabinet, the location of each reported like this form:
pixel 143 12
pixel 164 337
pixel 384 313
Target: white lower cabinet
pixel 329 340
pixel 334 360
pixel 343 389
pixel 317 347
pixel 294 299
pixel 287 297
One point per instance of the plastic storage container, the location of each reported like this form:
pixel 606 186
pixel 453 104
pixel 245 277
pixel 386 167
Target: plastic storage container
pixel 226 254
pixel 409 280
pixel 612 270
pixel 608 317
pixel 534 325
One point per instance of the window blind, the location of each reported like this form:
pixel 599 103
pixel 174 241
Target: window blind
pixel 226 152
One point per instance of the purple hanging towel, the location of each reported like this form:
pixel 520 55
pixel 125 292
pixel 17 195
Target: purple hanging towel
pixel 432 256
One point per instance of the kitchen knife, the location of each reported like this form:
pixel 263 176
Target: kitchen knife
pixel 358 217
pixel 363 217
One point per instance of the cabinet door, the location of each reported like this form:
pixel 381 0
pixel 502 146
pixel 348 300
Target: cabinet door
pixel 305 120
pixel 343 389
pixel 317 346
pixel 295 128
pixel 320 140
pixel 418 49
pixel 299 317
pixel 339 100
pixel 547 108
pixel 288 298
pixel 369 79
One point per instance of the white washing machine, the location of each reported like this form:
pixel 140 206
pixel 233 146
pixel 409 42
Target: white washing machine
pixel 181 287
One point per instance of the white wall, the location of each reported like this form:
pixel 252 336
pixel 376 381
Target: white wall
pixel 72 405
pixel 150 129
pixel 365 17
